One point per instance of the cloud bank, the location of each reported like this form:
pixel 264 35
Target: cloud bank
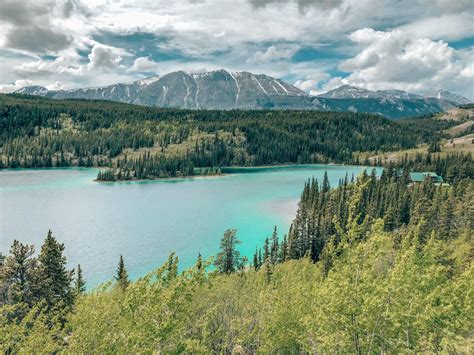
pixel 417 45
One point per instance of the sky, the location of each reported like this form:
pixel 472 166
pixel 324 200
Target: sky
pixel 419 46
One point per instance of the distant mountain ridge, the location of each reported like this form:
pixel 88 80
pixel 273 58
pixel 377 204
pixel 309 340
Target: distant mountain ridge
pixel 449 96
pixel 223 89
pixel 353 92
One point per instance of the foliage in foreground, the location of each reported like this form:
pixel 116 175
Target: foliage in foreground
pixel 377 297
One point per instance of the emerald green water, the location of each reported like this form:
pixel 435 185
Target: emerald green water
pixel 145 221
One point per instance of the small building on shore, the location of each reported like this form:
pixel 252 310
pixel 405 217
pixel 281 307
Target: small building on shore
pixel 422 176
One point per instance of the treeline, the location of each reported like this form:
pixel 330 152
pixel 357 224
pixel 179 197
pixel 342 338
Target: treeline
pixel 39 132
pixel 376 265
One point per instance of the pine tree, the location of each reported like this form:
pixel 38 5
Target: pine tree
pixel 55 280
pixel 18 275
pixel 228 259
pixel 274 247
pixel 256 265
pixel 390 219
pixel 171 267
pixel 266 249
pixel 283 255
pixel 80 285
pixel 122 275
pixel 268 270
pixel 446 226
pixel 199 262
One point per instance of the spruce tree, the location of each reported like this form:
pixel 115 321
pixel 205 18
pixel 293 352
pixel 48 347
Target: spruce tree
pixel 390 219
pixel 255 260
pixel 122 275
pixel 55 280
pixel 274 248
pixel 199 262
pixel 266 249
pixel 171 267
pixel 228 259
pixel 283 255
pixel 18 275
pixel 446 225
pixel 268 270
pixel 80 285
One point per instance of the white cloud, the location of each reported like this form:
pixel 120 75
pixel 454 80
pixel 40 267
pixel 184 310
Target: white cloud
pixel 18 84
pixel 394 59
pixel 105 57
pixel 143 64
pixel 312 82
pixel 274 54
pixel 329 85
pixel 446 26
pixel 56 86
pixel 255 35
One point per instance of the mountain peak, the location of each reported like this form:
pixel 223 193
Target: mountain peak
pixel 345 92
pixel 352 92
pixel 148 80
pixel 449 96
pixel 224 89
pixel 33 90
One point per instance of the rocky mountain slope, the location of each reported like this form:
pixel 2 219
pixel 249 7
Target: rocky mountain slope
pixel 353 92
pixel 222 89
pixel 211 90
pixel 449 96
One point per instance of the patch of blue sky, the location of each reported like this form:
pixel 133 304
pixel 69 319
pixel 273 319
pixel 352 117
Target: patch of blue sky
pixel 48 57
pixel 337 73
pixel 84 53
pixel 463 43
pixel 141 44
pixel 311 54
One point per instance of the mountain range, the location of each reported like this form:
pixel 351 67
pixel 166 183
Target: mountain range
pixel 223 89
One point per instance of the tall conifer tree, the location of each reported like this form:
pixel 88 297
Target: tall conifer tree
pixel 122 275
pixel 55 280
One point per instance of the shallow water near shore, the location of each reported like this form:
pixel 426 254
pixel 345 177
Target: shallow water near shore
pixel 147 220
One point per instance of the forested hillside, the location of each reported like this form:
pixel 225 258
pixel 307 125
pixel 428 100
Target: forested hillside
pixel 141 142
pixel 376 265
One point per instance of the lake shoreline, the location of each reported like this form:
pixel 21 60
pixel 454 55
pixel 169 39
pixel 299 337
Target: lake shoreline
pixel 242 168
pixel 164 179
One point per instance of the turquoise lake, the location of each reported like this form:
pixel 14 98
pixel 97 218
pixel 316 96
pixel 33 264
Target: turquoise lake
pixel 145 221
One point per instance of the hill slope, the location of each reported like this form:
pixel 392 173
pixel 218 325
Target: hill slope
pixel 42 132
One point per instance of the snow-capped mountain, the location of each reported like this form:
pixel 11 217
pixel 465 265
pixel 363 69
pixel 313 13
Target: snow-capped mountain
pixel 211 90
pixel 353 92
pixel 223 89
pixel 449 96
pixel 33 90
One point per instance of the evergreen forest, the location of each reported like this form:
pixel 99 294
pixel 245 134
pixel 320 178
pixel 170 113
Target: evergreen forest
pixel 135 142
